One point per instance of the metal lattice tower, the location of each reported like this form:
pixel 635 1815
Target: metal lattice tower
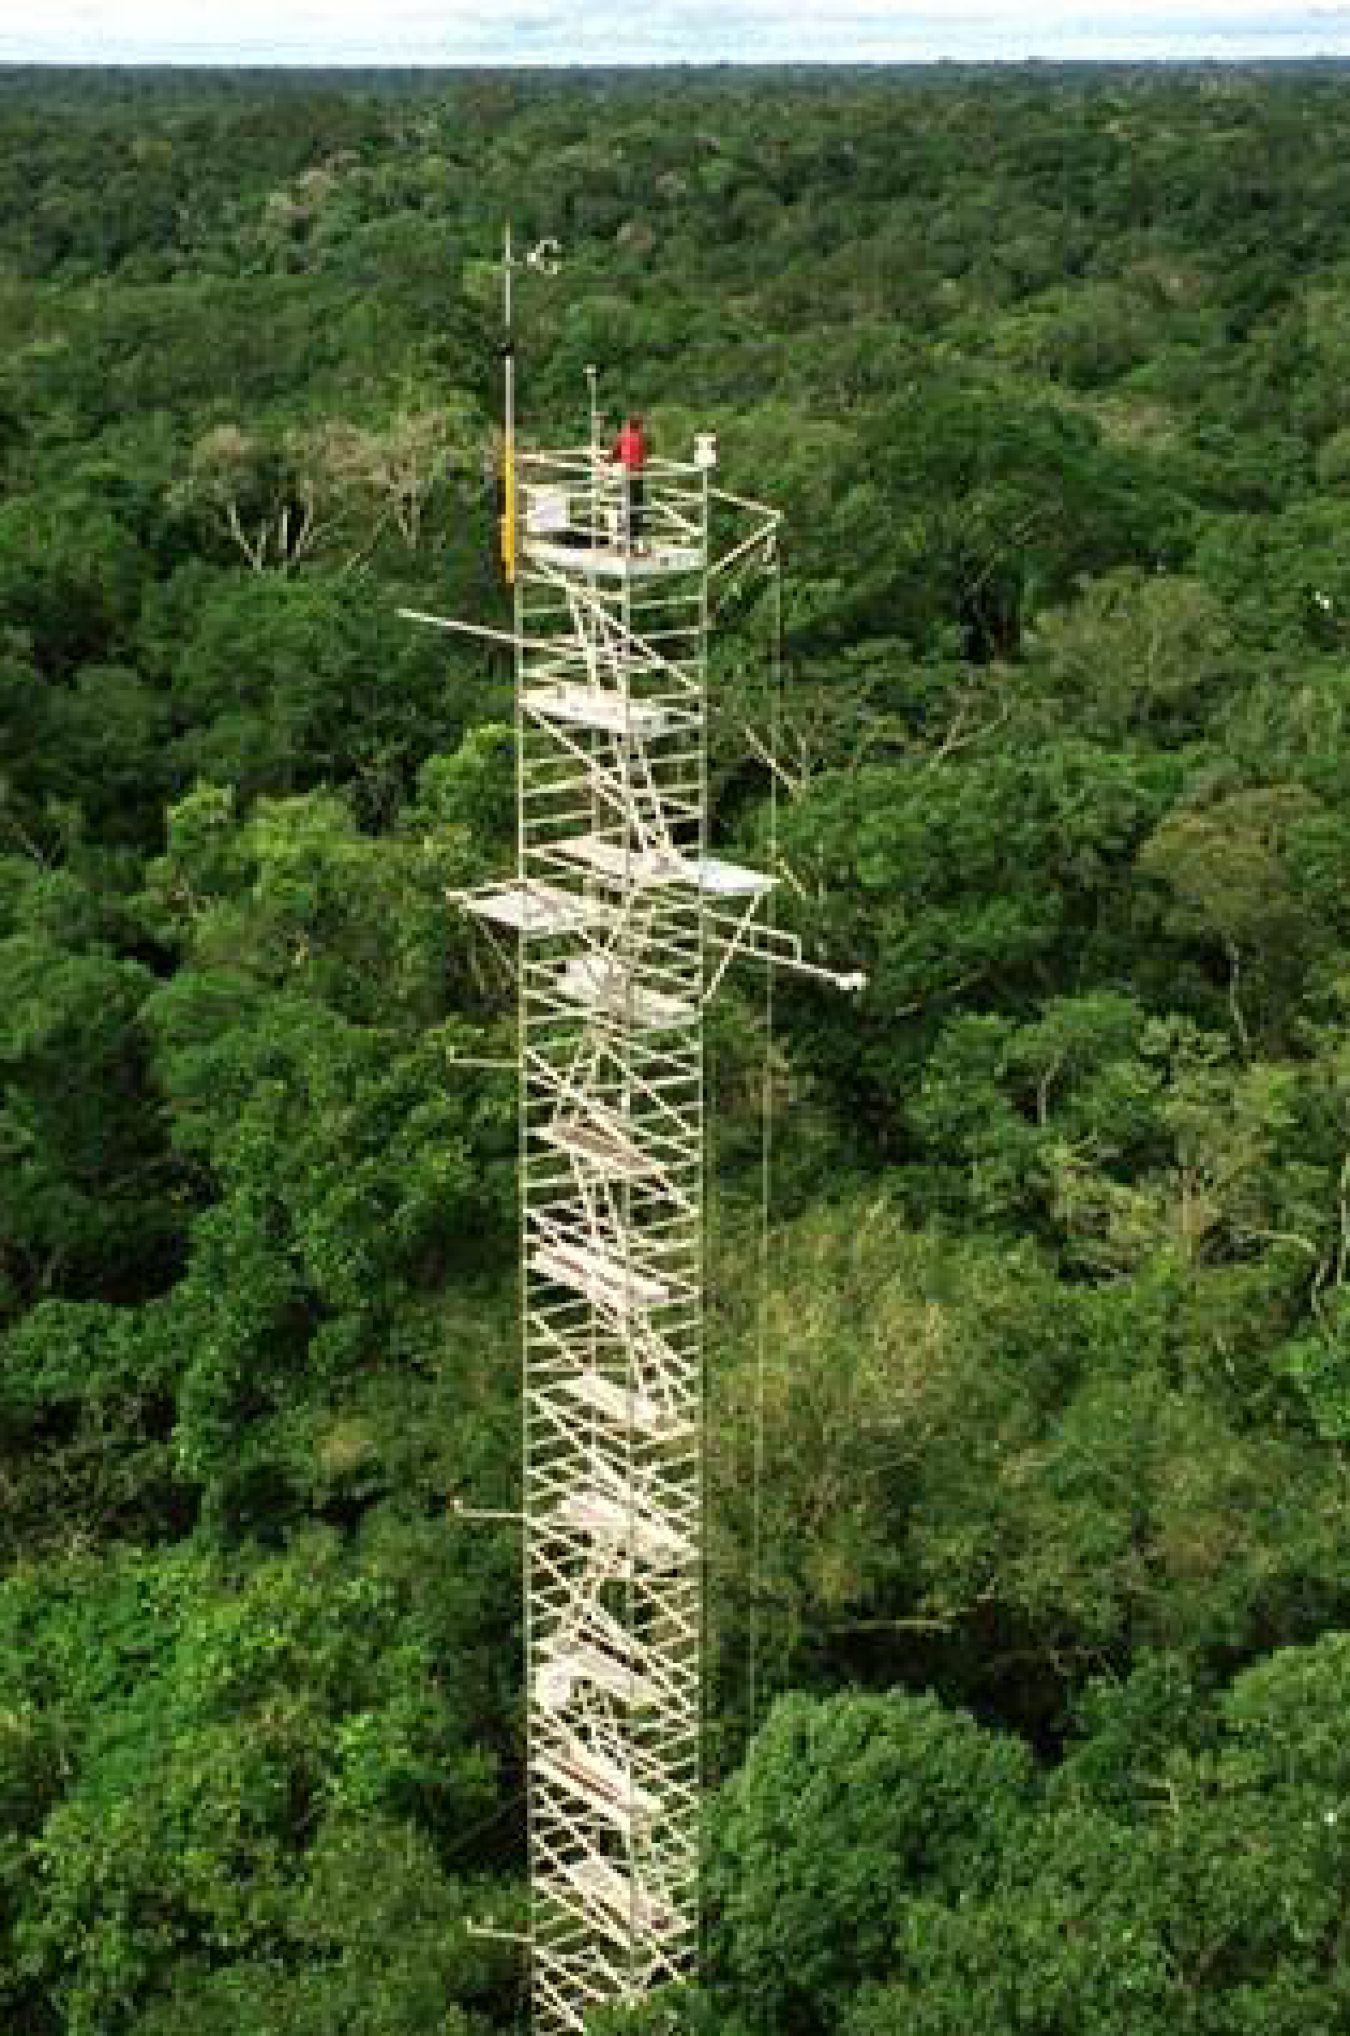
pixel 625 925
pixel 611 900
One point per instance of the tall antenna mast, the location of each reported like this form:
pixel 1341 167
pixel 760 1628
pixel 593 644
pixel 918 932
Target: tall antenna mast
pixel 626 925
pixel 508 505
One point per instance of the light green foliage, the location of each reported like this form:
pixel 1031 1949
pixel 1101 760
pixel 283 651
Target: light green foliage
pixel 330 490
pixel 999 1462
pixel 1135 654
pixel 253 1803
pixel 1232 871
pixel 1319 1364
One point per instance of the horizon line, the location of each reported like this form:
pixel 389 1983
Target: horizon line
pixel 1027 60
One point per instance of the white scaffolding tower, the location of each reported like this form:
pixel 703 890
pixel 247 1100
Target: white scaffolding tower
pixel 625 924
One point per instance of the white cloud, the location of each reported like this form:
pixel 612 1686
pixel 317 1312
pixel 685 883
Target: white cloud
pixel 496 31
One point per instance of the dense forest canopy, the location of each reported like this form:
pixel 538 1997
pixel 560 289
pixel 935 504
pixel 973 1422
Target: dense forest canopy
pixel 1049 370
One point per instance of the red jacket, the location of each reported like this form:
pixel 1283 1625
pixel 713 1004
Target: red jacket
pixel 630 448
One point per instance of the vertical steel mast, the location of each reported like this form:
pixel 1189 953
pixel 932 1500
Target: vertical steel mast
pixel 625 925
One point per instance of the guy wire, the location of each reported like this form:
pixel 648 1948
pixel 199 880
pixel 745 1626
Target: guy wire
pixel 765 1174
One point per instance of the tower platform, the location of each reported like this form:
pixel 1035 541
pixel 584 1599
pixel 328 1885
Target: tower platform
pixel 609 561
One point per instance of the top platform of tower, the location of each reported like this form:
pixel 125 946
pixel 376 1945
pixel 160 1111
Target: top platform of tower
pixel 582 516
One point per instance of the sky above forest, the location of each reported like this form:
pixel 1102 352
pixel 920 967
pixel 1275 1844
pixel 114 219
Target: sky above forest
pixel 661 31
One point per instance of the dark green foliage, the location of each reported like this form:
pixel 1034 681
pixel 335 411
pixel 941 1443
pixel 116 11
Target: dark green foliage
pixel 1186 1869
pixel 841 1812
pixel 1029 1558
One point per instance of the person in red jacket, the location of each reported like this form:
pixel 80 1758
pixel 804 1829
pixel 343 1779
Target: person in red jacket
pixel 630 451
